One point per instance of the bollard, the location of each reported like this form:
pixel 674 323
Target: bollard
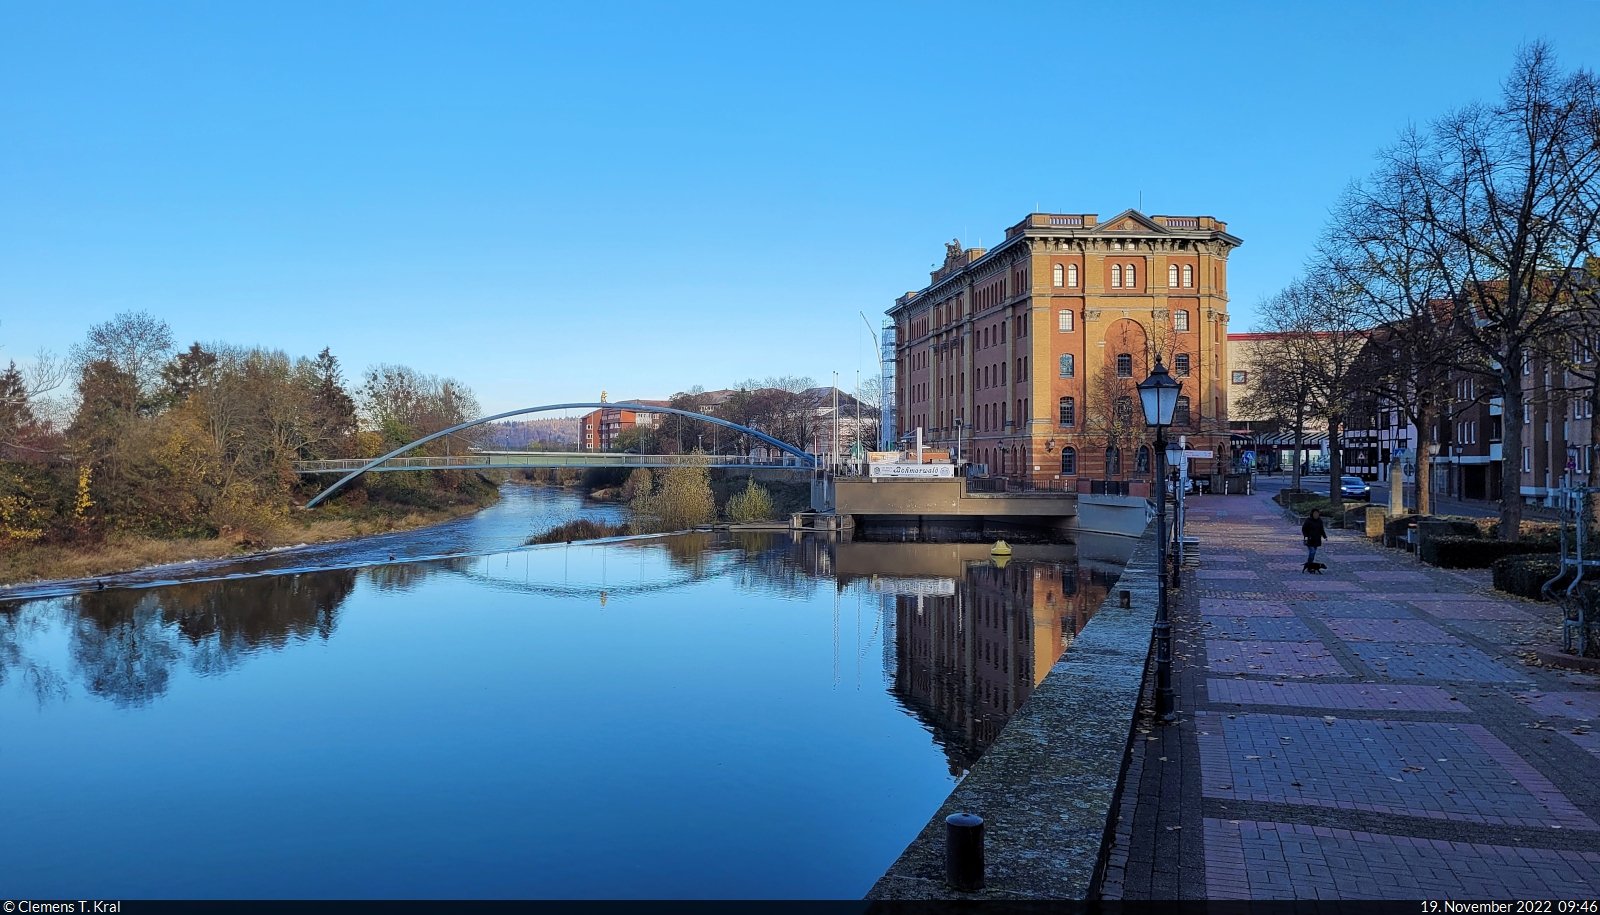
pixel 1127 599
pixel 963 851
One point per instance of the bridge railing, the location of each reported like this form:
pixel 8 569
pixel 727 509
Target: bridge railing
pixel 544 459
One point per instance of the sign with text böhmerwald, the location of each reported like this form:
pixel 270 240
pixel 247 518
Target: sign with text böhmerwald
pixel 912 471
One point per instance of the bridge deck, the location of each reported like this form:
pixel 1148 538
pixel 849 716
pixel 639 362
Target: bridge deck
pixel 534 460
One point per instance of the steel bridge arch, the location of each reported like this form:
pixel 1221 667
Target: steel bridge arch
pixel 808 460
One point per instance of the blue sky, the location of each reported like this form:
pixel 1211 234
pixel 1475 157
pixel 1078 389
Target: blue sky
pixel 548 201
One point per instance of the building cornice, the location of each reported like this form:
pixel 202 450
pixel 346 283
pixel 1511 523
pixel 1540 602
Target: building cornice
pixel 1150 235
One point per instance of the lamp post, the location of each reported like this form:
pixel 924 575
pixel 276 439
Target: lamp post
pixel 1175 460
pixel 1433 468
pixel 1158 394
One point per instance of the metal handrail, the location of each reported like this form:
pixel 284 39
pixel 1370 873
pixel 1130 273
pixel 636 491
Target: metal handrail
pixel 538 459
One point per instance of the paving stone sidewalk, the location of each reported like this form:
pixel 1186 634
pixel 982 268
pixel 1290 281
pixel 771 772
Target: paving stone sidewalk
pixel 1374 732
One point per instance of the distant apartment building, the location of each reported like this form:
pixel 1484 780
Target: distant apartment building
pixel 1556 415
pixel 857 423
pixel 1024 357
pixel 1270 439
pixel 598 430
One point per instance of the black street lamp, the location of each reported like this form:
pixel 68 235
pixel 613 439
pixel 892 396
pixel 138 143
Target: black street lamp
pixel 1158 394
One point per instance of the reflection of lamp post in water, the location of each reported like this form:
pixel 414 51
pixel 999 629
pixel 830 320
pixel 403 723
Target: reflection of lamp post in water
pixel 1158 394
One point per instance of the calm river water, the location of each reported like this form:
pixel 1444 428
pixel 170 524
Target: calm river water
pixel 701 716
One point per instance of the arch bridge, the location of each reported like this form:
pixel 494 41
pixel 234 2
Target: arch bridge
pixel 795 459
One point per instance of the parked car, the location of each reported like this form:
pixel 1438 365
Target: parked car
pixel 1355 488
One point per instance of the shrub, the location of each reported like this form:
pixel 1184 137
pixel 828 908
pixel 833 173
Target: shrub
pixel 754 504
pixel 682 499
pixel 639 483
pixel 1524 575
pixel 1397 526
pixel 579 529
pixel 1476 553
pixel 1301 501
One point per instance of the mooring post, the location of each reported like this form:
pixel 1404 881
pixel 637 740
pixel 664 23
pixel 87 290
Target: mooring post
pixel 963 851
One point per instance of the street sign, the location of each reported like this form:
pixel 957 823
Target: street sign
pixel 1197 454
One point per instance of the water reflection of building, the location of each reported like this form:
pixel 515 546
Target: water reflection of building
pixel 965 662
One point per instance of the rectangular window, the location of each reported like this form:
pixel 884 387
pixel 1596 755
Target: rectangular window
pixel 1180 365
pixel 1180 320
pixel 1527 459
pixel 1064 321
pixel 1067 366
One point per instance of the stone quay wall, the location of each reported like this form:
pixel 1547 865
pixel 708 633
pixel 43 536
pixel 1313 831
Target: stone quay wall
pixel 1048 785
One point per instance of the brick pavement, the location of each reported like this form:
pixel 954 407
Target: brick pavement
pixel 1378 731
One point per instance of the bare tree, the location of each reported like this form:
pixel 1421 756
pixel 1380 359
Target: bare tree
pixel 1323 338
pixel 1511 194
pixel 1281 383
pixel 1381 247
pixel 1113 418
pixel 135 346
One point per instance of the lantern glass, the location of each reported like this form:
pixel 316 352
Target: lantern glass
pixel 1158 394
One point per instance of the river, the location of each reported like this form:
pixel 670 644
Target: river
pixel 754 715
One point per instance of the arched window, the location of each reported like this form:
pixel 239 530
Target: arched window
pixel 1069 411
pixel 1067 365
pixel 1113 462
pixel 1141 460
pixel 1124 409
pixel 1180 365
pixel 1172 274
pixel 1180 415
pixel 1188 276
pixel 1064 320
pixel 1069 461
pixel 1124 365
pixel 1128 277
pixel 1057 275
pixel 1180 320
pixel 1072 276
pixel 1116 276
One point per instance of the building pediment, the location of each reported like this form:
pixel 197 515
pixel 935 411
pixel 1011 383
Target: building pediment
pixel 1130 221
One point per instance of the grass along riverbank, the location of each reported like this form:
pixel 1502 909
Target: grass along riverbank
pixel 131 552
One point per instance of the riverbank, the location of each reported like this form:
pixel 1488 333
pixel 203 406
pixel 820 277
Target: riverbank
pixel 123 553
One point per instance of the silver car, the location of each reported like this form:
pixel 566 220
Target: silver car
pixel 1354 488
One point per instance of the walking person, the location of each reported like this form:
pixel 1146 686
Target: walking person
pixel 1315 533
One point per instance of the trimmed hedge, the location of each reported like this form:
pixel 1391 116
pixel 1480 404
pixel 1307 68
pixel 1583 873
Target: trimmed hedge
pixel 1396 527
pixel 1524 575
pixel 1476 553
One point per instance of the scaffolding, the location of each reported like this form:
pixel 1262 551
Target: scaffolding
pixel 1577 616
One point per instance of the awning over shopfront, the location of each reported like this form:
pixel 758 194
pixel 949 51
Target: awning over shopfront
pixel 1313 440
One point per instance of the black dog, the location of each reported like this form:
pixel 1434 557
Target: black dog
pixel 1315 568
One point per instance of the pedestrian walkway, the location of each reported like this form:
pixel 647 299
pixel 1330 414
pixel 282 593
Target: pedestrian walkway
pixel 1376 731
